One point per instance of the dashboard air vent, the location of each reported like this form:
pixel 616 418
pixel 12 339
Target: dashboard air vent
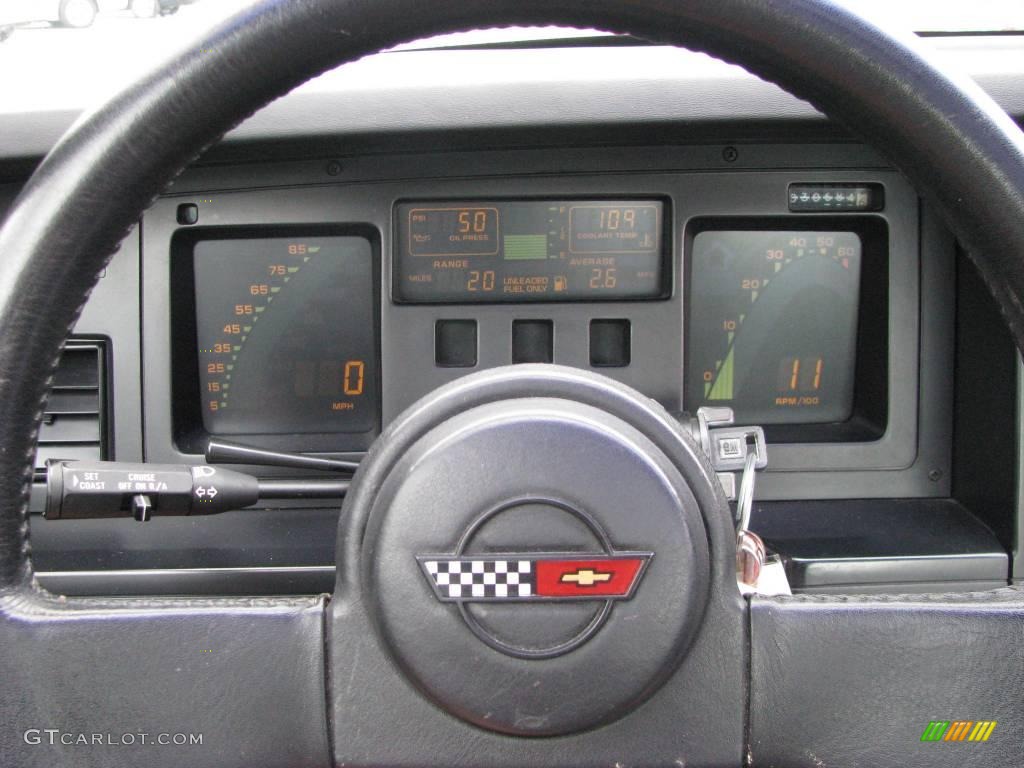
pixel 75 420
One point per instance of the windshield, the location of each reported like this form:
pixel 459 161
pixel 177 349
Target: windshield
pixel 77 53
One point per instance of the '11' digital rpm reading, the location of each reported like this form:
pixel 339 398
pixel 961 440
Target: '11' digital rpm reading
pixel 773 324
pixel 285 332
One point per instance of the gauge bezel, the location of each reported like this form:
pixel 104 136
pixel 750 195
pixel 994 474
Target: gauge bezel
pixel 869 416
pixel 665 258
pixel 916 438
pixel 189 433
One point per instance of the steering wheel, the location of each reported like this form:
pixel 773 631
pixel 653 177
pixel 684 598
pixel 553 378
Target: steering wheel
pixel 363 677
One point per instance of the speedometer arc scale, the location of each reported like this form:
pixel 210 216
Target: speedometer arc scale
pixel 285 335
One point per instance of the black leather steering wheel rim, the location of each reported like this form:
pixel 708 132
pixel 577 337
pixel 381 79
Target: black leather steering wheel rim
pixel 950 139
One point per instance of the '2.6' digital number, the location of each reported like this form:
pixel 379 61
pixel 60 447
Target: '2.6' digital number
pixel 603 278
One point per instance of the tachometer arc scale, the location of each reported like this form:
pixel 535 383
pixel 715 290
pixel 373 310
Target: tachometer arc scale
pixel 774 323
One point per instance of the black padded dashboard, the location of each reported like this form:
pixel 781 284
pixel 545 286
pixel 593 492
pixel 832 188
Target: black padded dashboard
pixel 567 97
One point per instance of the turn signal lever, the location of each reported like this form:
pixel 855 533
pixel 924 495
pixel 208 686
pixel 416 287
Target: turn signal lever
pixel 93 489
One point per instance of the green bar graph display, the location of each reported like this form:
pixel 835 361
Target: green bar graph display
pixel 526 247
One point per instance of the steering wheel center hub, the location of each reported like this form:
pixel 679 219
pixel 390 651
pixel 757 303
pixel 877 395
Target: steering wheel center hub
pixel 540 547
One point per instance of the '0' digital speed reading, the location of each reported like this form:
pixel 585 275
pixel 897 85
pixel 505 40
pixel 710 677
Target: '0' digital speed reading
pixel 285 335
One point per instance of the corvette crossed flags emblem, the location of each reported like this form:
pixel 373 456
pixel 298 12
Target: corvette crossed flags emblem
pixel 529 577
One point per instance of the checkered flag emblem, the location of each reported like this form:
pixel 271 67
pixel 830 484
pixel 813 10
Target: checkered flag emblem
pixel 533 577
pixel 481 579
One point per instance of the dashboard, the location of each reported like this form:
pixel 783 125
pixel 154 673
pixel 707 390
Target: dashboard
pixel 306 311
pixel 294 297
pixel 307 318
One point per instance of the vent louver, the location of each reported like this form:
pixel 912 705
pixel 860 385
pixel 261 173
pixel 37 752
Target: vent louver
pixel 75 420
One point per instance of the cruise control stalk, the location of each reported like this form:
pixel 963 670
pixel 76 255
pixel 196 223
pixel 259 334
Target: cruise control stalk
pixel 77 490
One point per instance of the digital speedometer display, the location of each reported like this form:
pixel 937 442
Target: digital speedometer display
pixel 530 250
pixel 772 329
pixel 285 332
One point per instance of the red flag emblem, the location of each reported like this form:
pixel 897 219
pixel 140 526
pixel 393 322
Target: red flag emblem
pixel 604 577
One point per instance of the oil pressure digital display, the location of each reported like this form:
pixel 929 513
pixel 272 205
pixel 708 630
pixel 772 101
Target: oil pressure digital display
pixel 530 250
pixel 285 331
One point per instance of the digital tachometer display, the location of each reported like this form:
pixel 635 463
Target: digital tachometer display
pixel 530 250
pixel 285 335
pixel 772 329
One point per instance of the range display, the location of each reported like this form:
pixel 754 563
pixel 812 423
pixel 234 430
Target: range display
pixel 772 327
pixel 524 251
pixel 285 334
